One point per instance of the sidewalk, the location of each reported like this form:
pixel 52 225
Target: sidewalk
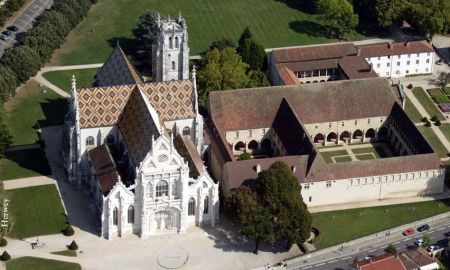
pixel 28 182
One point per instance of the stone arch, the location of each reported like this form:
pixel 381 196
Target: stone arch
pixel 191 207
pixel 206 205
pixel 370 133
pixel 345 136
pixel 239 146
pixel 177 44
pixel 319 138
pixel 382 133
pixel 266 145
pixel 90 141
pixel 357 134
pixel 253 145
pixel 332 137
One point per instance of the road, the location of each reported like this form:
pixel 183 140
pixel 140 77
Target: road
pixel 25 21
pixel 436 233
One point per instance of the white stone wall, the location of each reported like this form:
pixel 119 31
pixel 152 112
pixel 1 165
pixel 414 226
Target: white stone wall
pixel 246 136
pixel 402 65
pixel 99 134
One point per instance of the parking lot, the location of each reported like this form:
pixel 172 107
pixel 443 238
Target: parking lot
pixel 25 21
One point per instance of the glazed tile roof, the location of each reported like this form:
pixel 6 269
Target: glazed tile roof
pixel 117 70
pixel 384 49
pixel 102 106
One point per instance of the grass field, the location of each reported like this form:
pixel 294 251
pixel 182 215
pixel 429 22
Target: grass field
pixel 32 263
pixel 68 252
pixel 24 163
pixel 63 78
pixel 276 23
pixel 343 159
pixel 34 104
pixel 35 211
pixel 377 151
pixel 434 141
pixel 341 226
pixel 329 154
pixel 365 156
pixel 412 112
pixel 445 128
pixel 427 103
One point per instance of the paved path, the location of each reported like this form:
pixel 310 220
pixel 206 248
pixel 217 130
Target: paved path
pixel 28 182
pixel 25 21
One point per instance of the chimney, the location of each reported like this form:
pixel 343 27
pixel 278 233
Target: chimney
pixel 390 45
pixel 406 44
pixel 258 168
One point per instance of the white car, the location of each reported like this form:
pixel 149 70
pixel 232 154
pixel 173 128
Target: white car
pixel 432 248
pixel 419 242
pixel 4 37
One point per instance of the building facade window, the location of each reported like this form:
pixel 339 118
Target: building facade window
pixel 328 184
pixel 417 62
pixel 428 61
pixel 206 205
pixel 378 65
pixel 173 65
pixel 398 64
pixel 368 121
pixel 329 125
pixel 186 131
pixel 263 131
pixel 174 188
pixel 342 123
pixel 310 199
pixel 90 141
pixel 356 122
pixel 388 64
pixel 131 214
pixel 306 186
pixel 115 216
pixel 162 189
pixel 408 62
pixel 237 134
pixel 191 207
pixel 149 190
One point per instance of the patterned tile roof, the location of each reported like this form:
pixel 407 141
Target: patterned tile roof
pixel 117 70
pixel 102 106
pixel 138 124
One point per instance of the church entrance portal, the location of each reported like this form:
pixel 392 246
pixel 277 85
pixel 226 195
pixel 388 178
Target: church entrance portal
pixel 166 220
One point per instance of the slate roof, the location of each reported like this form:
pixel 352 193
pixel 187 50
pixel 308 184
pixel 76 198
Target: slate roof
pixel 384 49
pixel 313 103
pixel 117 70
pixel 104 167
pixel 102 106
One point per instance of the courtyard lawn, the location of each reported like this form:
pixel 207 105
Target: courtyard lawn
pixel 445 128
pixel 378 151
pixel 327 155
pixel 34 104
pixel 447 90
pixel 63 78
pixel 24 163
pixel 35 211
pixel 68 252
pixel 274 23
pixel 28 263
pixel 427 103
pixel 412 111
pixel 341 226
pixel 365 156
pixel 343 159
pixel 434 141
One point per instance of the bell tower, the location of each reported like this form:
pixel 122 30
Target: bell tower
pixel 170 51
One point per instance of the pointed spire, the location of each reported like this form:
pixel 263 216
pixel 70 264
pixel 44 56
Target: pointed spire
pixel 117 43
pixel 194 85
pixel 180 18
pixel 74 84
pixel 168 18
pixel 171 142
pixel 158 19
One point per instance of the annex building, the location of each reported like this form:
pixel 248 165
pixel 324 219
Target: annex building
pixel 136 145
pixel 343 61
pixel 377 152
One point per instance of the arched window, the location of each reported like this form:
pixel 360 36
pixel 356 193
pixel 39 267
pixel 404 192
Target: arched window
pixel 206 205
pixel 186 131
pixel 173 65
pixel 131 214
pixel 110 139
pixel 191 207
pixel 174 188
pixel 115 216
pixel 176 43
pixel 89 141
pixel 149 190
pixel 170 43
pixel 162 189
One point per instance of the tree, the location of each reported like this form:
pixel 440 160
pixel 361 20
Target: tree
pixel 68 12
pixel 223 69
pixel 391 249
pixel 56 21
pixel 43 46
pixel 145 33
pixel 430 17
pixel 5 134
pixel 8 83
pixel 5 256
pixel 444 79
pixel 389 12
pixel 23 60
pixel 426 241
pixel 3 242
pixel 246 34
pixel 253 53
pixel 68 231
pixel 257 79
pixel 259 226
pixel 73 245
pixel 222 44
pixel 339 16
pixel 244 156
pixel 239 204
pixel 280 191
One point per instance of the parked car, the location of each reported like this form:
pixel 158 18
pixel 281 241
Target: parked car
pixel 419 242
pixel 409 231
pixel 424 227
pixel 5 38
pixel 7 33
pixel 432 248
pixel 12 28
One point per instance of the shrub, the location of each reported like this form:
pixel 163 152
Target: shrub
pixel 428 124
pixel 425 119
pixel 434 118
pixel 5 256
pixel 410 86
pixel 391 249
pixel 68 231
pixel 3 242
pixel 437 123
pixel 73 245
pixel 244 156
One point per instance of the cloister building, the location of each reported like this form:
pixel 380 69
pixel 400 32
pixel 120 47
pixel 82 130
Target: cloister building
pixel 294 123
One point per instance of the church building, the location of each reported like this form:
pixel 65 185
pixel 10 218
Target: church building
pixel 136 145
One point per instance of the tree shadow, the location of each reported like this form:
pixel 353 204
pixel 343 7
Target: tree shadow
pixel 306 6
pixel 128 45
pixel 54 111
pixel 31 159
pixel 310 28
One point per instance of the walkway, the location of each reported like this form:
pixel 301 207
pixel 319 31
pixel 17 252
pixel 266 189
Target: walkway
pixel 28 182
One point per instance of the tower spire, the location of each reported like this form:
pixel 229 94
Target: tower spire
pixel 74 85
pixel 180 18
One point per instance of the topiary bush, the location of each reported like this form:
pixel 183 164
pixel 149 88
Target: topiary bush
pixel 73 245
pixel 68 231
pixel 434 118
pixel 410 86
pixel 5 256
pixel 437 123
pixel 425 119
pixel 428 124
pixel 3 242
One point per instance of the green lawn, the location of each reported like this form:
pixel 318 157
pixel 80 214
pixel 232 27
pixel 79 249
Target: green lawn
pixel 447 90
pixel 341 226
pixel 68 252
pixel 445 128
pixel 24 163
pixel 35 211
pixel 412 111
pixel 434 141
pixel 343 159
pixel 274 23
pixel 34 104
pixel 377 151
pixel 329 154
pixel 365 157
pixel 32 263
pixel 427 103
pixel 63 78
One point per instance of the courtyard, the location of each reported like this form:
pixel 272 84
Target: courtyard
pixel 355 152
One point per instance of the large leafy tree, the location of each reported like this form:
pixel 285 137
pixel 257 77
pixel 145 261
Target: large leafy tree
pixel 222 44
pixel 259 226
pixel 239 204
pixel 389 12
pixel 145 33
pixel 23 60
pixel 257 78
pixel 430 17
pixel 339 16
pixel 246 34
pixel 253 53
pixel 8 83
pixel 280 191
pixel 5 135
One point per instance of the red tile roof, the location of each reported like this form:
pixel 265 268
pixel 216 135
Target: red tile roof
pixel 356 67
pixel 287 76
pixel 307 53
pixel 382 262
pixel 386 49
pixel 104 167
